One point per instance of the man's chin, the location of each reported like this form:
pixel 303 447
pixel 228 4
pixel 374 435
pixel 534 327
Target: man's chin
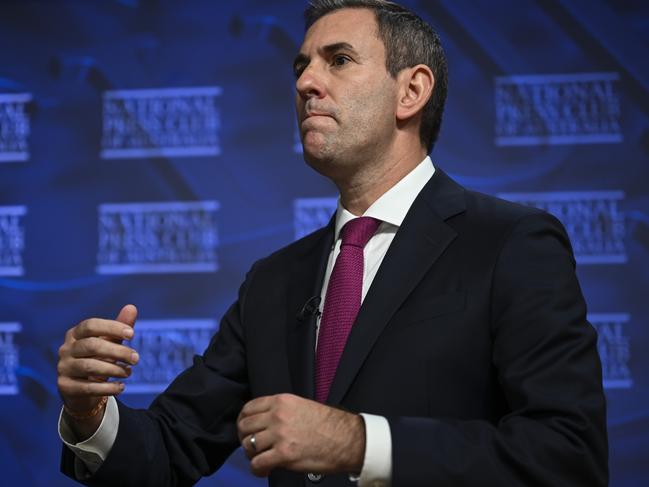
pixel 315 150
pixel 316 159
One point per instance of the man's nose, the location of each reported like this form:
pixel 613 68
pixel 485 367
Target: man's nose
pixel 310 84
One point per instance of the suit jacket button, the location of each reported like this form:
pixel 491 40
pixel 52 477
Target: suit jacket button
pixel 314 477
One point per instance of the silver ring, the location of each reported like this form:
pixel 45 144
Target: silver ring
pixel 253 442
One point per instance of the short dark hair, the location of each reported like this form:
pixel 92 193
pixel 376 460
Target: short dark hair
pixel 408 41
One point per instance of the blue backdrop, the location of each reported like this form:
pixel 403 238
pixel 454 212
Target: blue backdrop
pixel 148 154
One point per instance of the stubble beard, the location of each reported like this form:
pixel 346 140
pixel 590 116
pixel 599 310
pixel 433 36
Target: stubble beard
pixel 345 151
pixel 358 140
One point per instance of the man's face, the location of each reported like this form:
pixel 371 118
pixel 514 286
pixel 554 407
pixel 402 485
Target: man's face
pixel 346 99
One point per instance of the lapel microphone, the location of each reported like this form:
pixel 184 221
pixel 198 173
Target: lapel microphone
pixel 310 309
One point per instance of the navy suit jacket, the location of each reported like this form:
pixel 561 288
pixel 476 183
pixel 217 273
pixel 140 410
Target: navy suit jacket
pixel 472 341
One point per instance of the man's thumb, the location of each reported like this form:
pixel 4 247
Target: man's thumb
pixel 127 315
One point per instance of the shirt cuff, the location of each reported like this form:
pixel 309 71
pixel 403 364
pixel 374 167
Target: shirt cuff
pixel 377 464
pixel 93 451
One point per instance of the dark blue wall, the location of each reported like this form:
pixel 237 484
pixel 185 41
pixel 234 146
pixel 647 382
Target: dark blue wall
pixel 148 155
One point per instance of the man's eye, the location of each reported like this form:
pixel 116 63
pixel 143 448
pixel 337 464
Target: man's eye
pixel 340 60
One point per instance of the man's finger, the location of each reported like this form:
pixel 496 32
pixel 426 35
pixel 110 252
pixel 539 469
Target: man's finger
pixel 93 368
pixel 247 425
pixel 256 406
pixel 262 442
pixel 264 463
pixel 97 327
pixel 99 348
pixel 127 315
pixel 72 387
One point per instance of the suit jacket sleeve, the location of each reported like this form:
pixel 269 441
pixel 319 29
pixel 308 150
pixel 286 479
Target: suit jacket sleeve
pixel 545 355
pixel 190 429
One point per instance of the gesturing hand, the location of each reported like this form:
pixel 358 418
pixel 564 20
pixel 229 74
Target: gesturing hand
pixel 301 435
pixel 91 354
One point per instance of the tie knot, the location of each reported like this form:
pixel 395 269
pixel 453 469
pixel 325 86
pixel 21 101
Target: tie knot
pixel 357 232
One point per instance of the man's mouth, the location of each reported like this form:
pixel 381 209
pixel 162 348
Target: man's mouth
pixel 314 113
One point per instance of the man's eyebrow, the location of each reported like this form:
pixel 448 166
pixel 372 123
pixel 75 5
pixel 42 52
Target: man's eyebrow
pixel 302 59
pixel 338 46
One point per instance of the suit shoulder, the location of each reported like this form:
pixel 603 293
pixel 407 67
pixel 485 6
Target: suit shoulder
pixel 483 205
pixel 498 220
pixel 449 198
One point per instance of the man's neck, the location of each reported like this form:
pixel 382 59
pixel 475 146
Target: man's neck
pixel 358 193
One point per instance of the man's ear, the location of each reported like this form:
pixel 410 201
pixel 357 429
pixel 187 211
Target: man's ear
pixel 416 87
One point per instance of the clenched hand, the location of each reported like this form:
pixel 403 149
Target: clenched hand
pixel 300 435
pixel 91 354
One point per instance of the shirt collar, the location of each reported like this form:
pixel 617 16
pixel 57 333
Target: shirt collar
pixel 393 205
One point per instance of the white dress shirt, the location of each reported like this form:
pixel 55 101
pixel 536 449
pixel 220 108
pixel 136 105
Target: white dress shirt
pixel 391 208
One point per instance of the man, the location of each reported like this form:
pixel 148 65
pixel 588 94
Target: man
pixel 470 356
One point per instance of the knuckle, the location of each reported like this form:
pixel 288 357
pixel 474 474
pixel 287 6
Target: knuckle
pixel 81 326
pixel 90 328
pixel 92 344
pixel 285 452
pixel 281 417
pixel 78 348
pixel 281 431
pixel 86 367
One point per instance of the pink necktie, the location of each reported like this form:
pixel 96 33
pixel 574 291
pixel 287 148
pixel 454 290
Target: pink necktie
pixel 342 302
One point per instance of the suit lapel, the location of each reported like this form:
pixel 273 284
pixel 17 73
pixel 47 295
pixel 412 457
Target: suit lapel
pixel 418 243
pixel 305 282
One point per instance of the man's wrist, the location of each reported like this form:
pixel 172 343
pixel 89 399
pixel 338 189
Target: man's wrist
pixel 88 414
pixel 353 447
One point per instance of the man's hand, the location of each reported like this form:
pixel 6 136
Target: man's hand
pixel 300 435
pixel 91 354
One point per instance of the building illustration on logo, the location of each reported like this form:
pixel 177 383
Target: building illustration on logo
pixel 581 108
pixel 166 348
pixel 14 127
pixel 169 237
pixel 309 214
pixel 592 219
pixel 168 122
pixel 8 358
pixel 614 348
pixel 12 240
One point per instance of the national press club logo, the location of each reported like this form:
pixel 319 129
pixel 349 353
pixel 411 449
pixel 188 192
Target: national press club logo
pixel 166 237
pixel 592 219
pixel 12 240
pixel 166 348
pixel 579 108
pixel 8 358
pixel 14 126
pixel 310 214
pixel 168 122
pixel 614 348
